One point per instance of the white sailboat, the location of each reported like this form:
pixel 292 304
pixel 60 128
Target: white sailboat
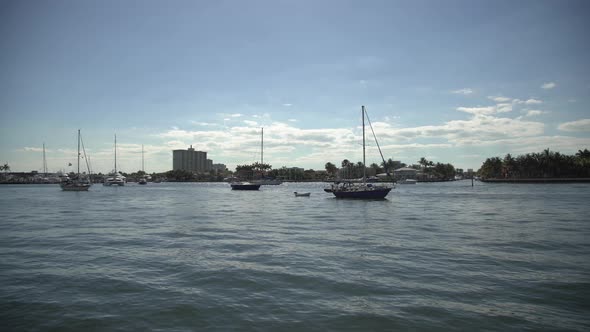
pixel 77 183
pixel 115 178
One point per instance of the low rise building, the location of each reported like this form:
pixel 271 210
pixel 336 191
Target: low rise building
pixel 405 173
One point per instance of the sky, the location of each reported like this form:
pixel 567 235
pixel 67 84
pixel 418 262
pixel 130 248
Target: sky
pixel 452 81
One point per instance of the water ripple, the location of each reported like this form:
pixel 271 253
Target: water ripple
pixel 202 257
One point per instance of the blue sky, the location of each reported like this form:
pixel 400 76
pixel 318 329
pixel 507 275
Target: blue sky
pixel 452 81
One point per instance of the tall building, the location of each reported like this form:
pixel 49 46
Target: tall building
pixel 189 160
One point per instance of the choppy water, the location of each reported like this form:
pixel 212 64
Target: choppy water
pixel 202 257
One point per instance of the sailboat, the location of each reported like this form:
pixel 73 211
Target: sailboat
pixel 115 178
pixel 44 179
pixel 361 190
pixel 265 181
pixel 77 184
pixel 143 179
pixel 244 185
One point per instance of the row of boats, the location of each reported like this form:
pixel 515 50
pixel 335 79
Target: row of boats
pixel 359 190
pixel 83 183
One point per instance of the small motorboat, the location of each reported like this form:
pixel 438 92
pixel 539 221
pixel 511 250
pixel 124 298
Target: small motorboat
pixel 302 194
pixel 244 186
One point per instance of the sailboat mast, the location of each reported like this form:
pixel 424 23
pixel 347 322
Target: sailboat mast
pixel 364 162
pixel 262 147
pixel 115 153
pixel 142 158
pixel 78 152
pixel 44 161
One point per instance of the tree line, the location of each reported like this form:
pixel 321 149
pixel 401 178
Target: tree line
pixel 428 168
pixel 545 164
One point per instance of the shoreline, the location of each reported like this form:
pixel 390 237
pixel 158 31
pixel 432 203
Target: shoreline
pixel 538 180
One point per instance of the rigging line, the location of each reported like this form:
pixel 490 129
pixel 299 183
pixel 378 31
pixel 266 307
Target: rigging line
pixel 85 156
pixel 378 147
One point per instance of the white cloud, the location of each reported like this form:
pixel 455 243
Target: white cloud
pixel 487 110
pixel 582 125
pixel 564 144
pixel 548 85
pixel 292 120
pixel 478 110
pixel 499 99
pixel 251 123
pixel 533 101
pixel 236 115
pixel 530 113
pixel 287 104
pixel 530 101
pixel 204 124
pixel 34 149
pixel 465 91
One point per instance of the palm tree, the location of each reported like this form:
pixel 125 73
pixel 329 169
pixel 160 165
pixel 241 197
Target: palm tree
pixel 359 169
pixel 346 165
pixel 331 168
pixel 423 162
pixel 5 168
pixel 508 163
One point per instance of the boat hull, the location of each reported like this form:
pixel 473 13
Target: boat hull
pixel 108 184
pixel 245 186
pixel 75 187
pixel 377 193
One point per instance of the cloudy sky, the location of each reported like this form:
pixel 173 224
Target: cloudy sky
pixel 452 81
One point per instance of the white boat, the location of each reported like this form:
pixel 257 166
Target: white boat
pixel 114 178
pixel 78 183
pixel 301 194
pixel 407 181
pixel 361 190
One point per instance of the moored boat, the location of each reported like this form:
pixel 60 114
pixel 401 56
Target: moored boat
pixel 361 190
pixel 78 183
pixel 115 178
pixel 244 186
pixel 407 181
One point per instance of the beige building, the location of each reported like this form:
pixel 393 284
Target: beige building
pixel 189 160
pixel 405 173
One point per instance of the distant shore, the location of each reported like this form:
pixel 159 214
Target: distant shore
pixel 538 180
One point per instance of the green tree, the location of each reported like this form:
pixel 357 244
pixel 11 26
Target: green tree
pixel 5 168
pixel 509 165
pixel 491 168
pixel 331 168
pixel 346 166
pixel 375 168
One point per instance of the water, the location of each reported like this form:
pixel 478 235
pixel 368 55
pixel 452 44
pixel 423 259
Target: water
pixel 189 256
